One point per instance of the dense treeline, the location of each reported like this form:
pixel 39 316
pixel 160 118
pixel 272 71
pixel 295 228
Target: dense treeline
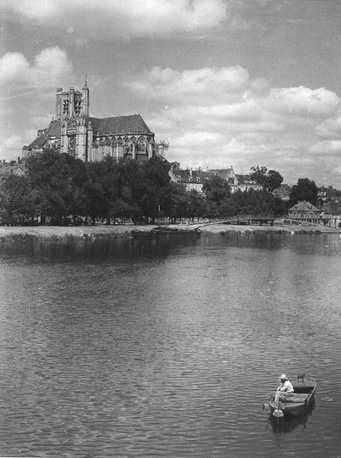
pixel 59 189
pixel 305 189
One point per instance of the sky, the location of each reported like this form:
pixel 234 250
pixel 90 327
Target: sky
pixel 225 82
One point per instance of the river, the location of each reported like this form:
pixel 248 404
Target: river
pixel 168 346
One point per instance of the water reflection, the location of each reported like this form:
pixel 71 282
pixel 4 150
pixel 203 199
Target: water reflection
pixel 98 248
pixel 314 243
pixel 288 424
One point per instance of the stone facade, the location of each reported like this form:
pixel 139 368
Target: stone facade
pixel 75 132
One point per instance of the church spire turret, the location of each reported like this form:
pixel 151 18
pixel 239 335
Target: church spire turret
pixel 85 97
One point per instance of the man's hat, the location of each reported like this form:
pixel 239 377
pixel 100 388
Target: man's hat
pixel 283 377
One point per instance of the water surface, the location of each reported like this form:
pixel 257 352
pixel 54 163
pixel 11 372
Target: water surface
pixel 168 346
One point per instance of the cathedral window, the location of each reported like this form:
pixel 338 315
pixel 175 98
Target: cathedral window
pixel 77 107
pixel 141 147
pixel 65 107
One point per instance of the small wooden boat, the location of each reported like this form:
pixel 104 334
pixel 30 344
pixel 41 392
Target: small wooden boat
pixel 296 403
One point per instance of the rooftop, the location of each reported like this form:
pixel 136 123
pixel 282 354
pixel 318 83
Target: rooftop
pixel 304 206
pixel 115 125
pixel 131 124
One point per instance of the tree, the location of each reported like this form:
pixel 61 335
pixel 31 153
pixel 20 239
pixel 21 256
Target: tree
pixel 216 189
pixel 177 205
pixel 56 182
pixel 197 205
pixel 151 186
pixel 305 189
pixel 269 180
pixel 15 202
pixel 274 180
pixel 96 204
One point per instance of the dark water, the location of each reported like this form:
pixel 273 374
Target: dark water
pixel 168 346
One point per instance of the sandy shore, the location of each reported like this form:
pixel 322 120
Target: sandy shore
pixel 88 232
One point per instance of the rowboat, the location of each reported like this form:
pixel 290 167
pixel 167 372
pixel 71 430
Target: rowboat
pixel 296 403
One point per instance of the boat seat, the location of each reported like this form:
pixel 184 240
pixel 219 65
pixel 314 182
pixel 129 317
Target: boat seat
pixel 303 388
pixel 295 397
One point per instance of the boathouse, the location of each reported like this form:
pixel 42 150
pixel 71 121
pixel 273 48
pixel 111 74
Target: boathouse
pixel 304 211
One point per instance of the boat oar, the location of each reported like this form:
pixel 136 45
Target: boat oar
pixel 278 412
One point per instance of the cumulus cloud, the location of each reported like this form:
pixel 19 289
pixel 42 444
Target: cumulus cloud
pixel 49 68
pixel 330 128
pixel 27 91
pixel 219 116
pixel 121 18
pixel 202 84
pixel 13 66
pixel 207 88
pixel 303 101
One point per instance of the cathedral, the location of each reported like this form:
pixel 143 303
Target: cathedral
pixel 73 131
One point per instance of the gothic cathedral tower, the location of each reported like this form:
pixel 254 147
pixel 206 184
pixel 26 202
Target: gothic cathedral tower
pixel 72 110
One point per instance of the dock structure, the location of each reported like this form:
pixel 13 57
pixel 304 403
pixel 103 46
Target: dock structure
pixel 330 221
pixel 250 220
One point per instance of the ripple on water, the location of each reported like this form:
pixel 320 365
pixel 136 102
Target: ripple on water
pixel 170 353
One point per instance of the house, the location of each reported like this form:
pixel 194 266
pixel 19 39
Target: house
pixel 227 174
pixel 244 183
pixel 305 211
pixel 192 180
pixel 195 178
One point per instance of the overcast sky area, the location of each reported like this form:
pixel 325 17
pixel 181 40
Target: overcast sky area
pixel 226 82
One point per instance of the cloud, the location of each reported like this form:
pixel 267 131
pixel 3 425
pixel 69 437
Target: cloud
pixel 13 65
pixel 219 116
pixel 122 18
pixel 303 101
pixel 327 148
pixel 198 138
pixel 49 68
pixel 330 128
pixel 208 89
pixel 26 95
pixel 11 146
pixel 14 141
pixel 192 85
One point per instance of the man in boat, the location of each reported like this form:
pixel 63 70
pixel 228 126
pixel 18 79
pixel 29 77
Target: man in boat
pixel 285 385
pixel 284 388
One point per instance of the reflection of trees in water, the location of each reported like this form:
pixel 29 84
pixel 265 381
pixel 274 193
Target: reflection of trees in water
pixel 307 244
pixel 288 424
pixel 96 248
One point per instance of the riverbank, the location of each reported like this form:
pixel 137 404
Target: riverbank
pixel 92 232
pixel 60 232
pixel 290 229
